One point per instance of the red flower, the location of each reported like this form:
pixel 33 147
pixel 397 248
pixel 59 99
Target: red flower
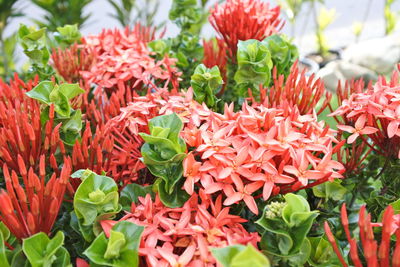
pixel 242 20
pixel 33 206
pixel 297 89
pixel 375 114
pixel 22 137
pixel 183 236
pixel 215 54
pixel 374 254
pixel 72 60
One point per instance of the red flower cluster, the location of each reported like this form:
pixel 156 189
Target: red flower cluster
pixel 183 236
pixel 33 207
pixel 259 148
pixel 236 20
pixel 133 119
pixel 69 62
pixel 297 89
pixel 376 114
pixel 21 132
pixel 122 56
pixel 215 54
pixel 374 255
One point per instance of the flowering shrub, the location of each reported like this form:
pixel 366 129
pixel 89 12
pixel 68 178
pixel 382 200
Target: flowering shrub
pixel 129 149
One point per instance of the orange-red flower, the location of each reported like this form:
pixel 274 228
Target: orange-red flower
pixel 183 236
pixel 374 254
pixel 33 206
pixel 236 20
pixel 374 113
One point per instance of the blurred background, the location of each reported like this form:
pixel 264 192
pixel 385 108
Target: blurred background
pixel 348 15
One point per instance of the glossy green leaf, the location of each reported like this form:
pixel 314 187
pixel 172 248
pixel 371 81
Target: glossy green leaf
pixel 95 199
pixel 206 83
pixel 284 234
pixel 120 250
pixel 174 199
pixel 71 90
pixel 239 255
pixel 322 253
pixel 283 53
pixel 41 92
pixel 3 256
pixel 131 193
pixel 68 34
pixel 41 250
pixel 254 63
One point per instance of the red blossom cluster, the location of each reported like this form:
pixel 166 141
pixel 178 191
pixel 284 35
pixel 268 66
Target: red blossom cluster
pixel 276 150
pixel 122 56
pixel 21 133
pixel 69 62
pixel 236 20
pixel 375 255
pixel 133 119
pixel 183 236
pixel 375 113
pixel 296 90
pixel 33 206
pixel 215 54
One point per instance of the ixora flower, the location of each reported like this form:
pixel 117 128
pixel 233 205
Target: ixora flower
pixel 236 20
pixel 373 113
pixel 257 148
pixel 183 236
pixel 32 207
pixel 295 89
pixel 374 254
pixel 122 57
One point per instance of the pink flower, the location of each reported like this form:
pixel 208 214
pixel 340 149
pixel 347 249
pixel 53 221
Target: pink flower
pixel 358 130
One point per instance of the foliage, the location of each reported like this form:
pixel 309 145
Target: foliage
pixel 186 141
pixel 163 153
pixel 59 97
pixel 239 255
pixel 206 83
pixel 390 17
pixel 7 44
pixel 62 12
pixel 96 199
pixel 286 226
pixel 121 247
pixel 67 35
pixel 254 65
pixel 130 12
pixel 34 43
pixel 283 53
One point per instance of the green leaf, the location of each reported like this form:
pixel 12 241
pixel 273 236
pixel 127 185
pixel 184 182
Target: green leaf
pixel 225 255
pixel 131 193
pixel 95 199
pixel 239 255
pixel 41 92
pixel 330 190
pixel 283 53
pixel 174 199
pixel 41 250
pixel 284 236
pixel 254 63
pixel 206 83
pixel 3 255
pixel 164 151
pixel 322 253
pixel 61 103
pixel 120 250
pixel 70 90
pixel 68 34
